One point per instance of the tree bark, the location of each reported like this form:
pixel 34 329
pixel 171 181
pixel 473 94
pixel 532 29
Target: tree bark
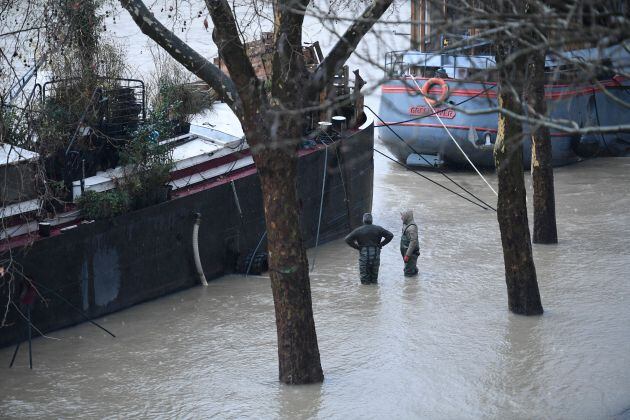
pixel 298 352
pixel 520 272
pixel 545 231
pixel 273 126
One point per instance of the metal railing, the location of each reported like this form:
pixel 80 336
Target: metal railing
pixel 396 65
pixel 122 90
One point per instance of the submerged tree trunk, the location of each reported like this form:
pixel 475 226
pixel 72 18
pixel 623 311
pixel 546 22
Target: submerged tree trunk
pixel 298 353
pixel 272 122
pixel 545 231
pixel 520 272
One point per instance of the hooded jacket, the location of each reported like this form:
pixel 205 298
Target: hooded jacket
pixel 409 234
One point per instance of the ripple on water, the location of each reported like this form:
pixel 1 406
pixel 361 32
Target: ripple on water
pixel 440 345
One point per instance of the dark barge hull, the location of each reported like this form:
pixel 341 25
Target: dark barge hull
pixel 109 265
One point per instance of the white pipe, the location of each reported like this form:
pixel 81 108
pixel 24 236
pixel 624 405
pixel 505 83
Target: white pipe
pixel 195 244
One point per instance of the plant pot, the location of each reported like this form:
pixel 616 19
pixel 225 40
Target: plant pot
pixel 44 229
pixel 181 128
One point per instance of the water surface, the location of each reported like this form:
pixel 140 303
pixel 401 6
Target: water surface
pixel 442 345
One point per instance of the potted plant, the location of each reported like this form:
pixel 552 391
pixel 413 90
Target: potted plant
pixel 148 162
pixel 178 96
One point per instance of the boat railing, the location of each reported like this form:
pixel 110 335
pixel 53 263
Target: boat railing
pixel 131 92
pixel 401 63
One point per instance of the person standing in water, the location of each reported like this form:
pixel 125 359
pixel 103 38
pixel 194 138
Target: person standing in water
pixel 369 239
pixel 409 245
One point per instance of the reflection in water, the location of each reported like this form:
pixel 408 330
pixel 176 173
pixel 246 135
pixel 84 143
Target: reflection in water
pixel 441 345
pixel 299 402
pixel 520 367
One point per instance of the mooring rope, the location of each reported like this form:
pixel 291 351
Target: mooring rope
pixel 430 180
pixel 437 115
pixel 249 265
pixel 343 184
pixel 321 206
pixel 440 171
pixel 67 302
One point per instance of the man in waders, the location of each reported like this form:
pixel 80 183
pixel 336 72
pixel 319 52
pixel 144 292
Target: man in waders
pixel 409 246
pixel 369 239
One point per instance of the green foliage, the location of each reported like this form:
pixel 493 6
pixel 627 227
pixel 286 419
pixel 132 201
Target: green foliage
pixel 148 162
pixel 145 153
pixel 104 205
pixel 147 171
pixel 13 130
pixel 73 96
pixel 174 92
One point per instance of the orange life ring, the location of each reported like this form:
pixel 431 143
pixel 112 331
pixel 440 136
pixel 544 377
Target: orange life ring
pixel 427 86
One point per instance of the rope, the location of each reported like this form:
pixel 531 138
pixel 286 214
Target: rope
pixel 321 206
pixel 87 318
pixel 238 204
pixel 430 180
pixel 455 141
pixel 343 184
pixel 440 171
pixel 251 260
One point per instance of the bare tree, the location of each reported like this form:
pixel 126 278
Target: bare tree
pixel 545 230
pixel 532 43
pixel 520 272
pixel 273 122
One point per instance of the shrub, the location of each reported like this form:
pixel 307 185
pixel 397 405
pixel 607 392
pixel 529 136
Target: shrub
pixel 173 90
pixel 103 205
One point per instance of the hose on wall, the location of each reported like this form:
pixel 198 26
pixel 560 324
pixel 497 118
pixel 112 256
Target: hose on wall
pixel 195 244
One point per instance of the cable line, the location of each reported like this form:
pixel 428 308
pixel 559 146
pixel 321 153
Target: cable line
pixel 430 180
pixel 485 205
pixel 455 141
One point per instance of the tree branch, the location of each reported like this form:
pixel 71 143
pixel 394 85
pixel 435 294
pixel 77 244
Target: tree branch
pixel 348 43
pixel 232 51
pixel 180 51
pixel 288 59
pixel 565 126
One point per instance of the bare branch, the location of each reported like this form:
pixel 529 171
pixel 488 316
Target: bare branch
pixel 571 128
pixel 232 51
pixel 348 43
pixel 288 48
pixel 181 52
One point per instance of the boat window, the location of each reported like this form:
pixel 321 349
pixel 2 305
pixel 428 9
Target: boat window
pixel 461 74
pixel 481 75
pixel 429 71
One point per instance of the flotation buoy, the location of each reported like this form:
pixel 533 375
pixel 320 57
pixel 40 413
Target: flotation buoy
pixel 427 86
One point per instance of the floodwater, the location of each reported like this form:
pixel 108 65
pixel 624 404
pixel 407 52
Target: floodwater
pixel 442 345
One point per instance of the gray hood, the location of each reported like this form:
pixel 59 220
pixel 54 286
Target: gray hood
pixel 407 216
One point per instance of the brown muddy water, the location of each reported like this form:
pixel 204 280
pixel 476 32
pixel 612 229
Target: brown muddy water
pixel 442 345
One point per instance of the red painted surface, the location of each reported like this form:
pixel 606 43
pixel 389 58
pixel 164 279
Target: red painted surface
pixel 432 125
pixel 452 127
pixel 30 238
pixel 483 93
pixel 209 164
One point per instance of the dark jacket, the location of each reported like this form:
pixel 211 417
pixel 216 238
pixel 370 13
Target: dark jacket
pixel 369 235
